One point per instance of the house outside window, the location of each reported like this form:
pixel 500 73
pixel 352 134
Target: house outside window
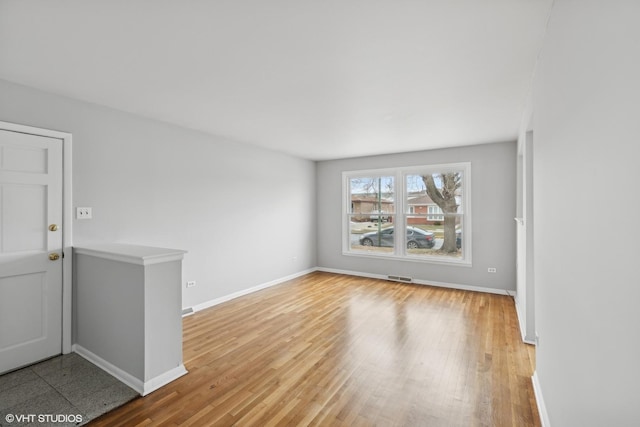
pixel 430 203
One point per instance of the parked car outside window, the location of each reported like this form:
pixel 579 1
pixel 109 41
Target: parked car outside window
pixel 416 238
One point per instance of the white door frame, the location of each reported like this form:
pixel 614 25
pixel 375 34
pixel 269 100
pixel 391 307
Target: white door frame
pixel 67 223
pixel 525 298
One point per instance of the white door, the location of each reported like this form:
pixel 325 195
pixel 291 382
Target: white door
pixel 30 241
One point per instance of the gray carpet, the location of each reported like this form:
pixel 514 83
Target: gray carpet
pixel 64 391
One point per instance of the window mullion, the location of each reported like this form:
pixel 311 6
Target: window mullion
pixel 401 215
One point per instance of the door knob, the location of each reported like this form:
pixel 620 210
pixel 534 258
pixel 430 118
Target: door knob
pixel 53 227
pixel 54 256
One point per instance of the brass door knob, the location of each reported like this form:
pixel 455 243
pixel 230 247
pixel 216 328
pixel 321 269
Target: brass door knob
pixel 54 256
pixel 53 227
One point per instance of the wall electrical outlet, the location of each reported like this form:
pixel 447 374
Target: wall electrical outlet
pixel 84 213
pixel 191 283
pixel 492 270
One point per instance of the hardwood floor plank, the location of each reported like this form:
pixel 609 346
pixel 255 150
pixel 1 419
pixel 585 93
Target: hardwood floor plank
pixel 328 349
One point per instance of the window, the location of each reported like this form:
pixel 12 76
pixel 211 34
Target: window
pixel 435 213
pixel 431 203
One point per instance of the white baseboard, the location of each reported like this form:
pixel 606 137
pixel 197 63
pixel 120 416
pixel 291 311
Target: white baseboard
pixel 522 326
pixel 213 302
pixel 123 376
pixel 138 385
pixel 243 292
pixel 352 273
pixel 419 281
pixel 163 379
pixel 542 409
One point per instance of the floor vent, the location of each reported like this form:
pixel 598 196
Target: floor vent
pixel 400 279
pixel 187 312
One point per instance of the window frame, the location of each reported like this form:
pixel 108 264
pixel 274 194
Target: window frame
pixel 402 212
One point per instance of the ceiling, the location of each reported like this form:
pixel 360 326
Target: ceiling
pixel 320 79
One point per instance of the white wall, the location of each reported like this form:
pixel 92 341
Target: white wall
pixel 586 201
pixel 493 181
pixel 243 213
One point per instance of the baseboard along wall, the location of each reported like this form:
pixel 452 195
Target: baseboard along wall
pixel 202 306
pixel 142 387
pixel 542 409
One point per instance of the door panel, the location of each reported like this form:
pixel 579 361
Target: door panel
pixel 24 218
pixel 30 283
pixel 24 159
pixel 22 291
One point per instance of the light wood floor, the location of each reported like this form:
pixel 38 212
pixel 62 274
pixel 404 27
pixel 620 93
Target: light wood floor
pixel 335 350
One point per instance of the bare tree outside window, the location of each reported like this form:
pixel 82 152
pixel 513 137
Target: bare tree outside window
pixel 444 190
